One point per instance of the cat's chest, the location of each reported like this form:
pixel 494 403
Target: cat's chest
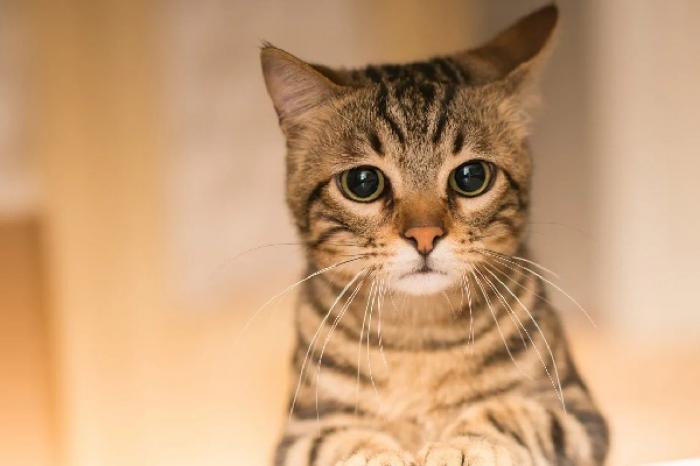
pixel 416 392
pixel 420 384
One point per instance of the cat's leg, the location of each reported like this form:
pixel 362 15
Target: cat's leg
pixel 521 431
pixel 343 443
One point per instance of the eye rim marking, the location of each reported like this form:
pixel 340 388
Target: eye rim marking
pixel 489 170
pixel 342 182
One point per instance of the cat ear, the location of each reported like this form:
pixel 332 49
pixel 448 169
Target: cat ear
pixel 294 86
pixel 515 54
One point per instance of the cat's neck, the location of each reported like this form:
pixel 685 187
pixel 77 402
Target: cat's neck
pixel 402 319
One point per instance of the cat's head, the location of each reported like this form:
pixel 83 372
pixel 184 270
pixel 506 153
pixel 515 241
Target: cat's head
pixel 418 169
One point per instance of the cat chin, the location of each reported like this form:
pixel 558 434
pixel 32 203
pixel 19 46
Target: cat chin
pixel 421 284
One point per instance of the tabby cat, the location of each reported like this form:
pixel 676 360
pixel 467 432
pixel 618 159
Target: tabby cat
pixel 423 333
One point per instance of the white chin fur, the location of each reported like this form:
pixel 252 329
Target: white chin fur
pixel 423 283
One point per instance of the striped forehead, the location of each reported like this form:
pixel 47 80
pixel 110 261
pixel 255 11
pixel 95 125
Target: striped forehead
pixel 413 100
pixel 411 109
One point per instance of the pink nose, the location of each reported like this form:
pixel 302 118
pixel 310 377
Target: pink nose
pixel 424 237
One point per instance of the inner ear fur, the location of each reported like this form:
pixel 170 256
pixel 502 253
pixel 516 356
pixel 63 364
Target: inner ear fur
pixel 294 86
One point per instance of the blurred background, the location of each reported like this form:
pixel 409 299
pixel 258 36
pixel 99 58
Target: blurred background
pixel 139 156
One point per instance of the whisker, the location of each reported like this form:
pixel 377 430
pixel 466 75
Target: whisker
pixel 337 320
pixel 449 304
pixel 359 357
pixel 471 316
pixel 508 277
pixel 514 318
pixel 369 334
pixel 240 254
pixel 498 325
pixel 315 336
pixel 380 302
pixel 291 287
pixel 557 386
pixel 555 286
pixel 521 259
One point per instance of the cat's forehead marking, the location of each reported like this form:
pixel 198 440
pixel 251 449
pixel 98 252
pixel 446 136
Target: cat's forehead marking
pixel 413 99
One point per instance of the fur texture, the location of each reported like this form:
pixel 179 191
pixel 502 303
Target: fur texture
pixel 448 358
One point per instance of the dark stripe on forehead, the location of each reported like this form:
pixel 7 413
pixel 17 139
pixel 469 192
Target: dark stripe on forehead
pixel 373 74
pixel 458 143
pixel 375 142
pixel 383 111
pixel 427 69
pixel 392 71
pixel 463 77
pixel 442 117
pixel 447 70
pixel 427 91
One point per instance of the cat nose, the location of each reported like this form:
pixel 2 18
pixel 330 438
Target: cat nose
pixel 424 237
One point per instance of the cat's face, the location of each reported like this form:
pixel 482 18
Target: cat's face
pixel 416 171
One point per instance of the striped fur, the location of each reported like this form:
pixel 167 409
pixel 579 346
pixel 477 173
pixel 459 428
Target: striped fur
pixel 464 365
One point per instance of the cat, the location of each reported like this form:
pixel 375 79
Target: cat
pixel 423 336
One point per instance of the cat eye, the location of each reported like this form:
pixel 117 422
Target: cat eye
pixel 362 184
pixel 471 178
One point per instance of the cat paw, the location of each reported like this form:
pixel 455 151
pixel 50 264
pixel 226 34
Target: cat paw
pixel 381 458
pixel 474 453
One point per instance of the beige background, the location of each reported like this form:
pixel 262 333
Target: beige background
pixel 139 156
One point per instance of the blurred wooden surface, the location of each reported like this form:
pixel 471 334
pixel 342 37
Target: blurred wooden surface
pixel 96 135
pixel 26 423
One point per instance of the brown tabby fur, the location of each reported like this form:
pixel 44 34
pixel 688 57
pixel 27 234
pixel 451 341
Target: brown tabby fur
pixel 464 371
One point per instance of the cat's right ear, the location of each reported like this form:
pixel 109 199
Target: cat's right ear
pixel 514 56
pixel 294 86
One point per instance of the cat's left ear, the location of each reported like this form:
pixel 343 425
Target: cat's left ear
pixel 295 87
pixel 512 58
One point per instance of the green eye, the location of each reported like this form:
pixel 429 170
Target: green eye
pixel 472 178
pixel 362 184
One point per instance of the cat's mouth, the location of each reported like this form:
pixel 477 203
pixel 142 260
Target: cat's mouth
pixel 424 270
pixel 423 280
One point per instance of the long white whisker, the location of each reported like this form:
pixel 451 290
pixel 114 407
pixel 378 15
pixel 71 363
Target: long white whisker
pixel 520 272
pixel 369 335
pixel 513 317
pixel 557 387
pixel 522 259
pixel 290 288
pixel 495 319
pixel 557 287
pixel 337 320
pixel 449 304
pixel 315 336
pixel 380 302
pixel 359 358
pixel 471 315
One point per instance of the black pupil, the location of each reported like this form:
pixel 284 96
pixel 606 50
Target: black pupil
pixel 470 177
pixel 363 182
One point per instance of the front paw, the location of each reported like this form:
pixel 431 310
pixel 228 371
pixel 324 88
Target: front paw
pixel 474 452
pixel 378 458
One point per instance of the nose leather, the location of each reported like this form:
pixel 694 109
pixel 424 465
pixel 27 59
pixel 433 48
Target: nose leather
pixel 424 237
